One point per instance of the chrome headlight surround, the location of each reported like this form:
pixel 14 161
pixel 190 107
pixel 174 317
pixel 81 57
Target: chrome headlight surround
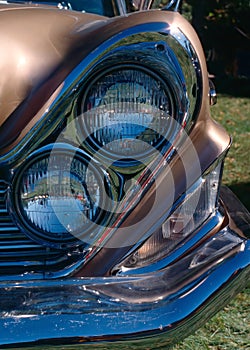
pixel 170 64
pixel 57 197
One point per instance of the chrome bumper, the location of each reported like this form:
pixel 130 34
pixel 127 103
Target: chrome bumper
pixel 147 311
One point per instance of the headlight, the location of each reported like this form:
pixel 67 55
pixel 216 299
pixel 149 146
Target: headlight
pixel 127 112
pixel 58 197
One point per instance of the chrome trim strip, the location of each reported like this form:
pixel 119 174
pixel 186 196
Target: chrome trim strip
pixel 36 276
pixel 169 5
pixel 145 5
pixel 121 7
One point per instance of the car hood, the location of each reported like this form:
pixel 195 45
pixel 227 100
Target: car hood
pixel 36 44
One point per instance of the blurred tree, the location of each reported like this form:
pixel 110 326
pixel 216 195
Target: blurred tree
pixel 224 30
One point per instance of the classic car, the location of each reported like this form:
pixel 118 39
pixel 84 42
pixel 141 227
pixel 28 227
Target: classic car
pixel 115 230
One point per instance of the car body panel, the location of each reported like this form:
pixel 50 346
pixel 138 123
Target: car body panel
pixel 37 60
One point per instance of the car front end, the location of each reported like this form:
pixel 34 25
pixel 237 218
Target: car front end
pixel 115 230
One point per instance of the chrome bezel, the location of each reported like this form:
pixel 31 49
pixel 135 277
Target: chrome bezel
pixel 68 240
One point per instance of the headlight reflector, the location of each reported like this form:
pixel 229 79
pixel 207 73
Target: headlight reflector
pixel 59 199
pixel 128 112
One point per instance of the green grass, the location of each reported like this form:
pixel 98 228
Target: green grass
pixel 230 328
pixel 234 114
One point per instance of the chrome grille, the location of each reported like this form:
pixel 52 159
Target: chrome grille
pixel 21 257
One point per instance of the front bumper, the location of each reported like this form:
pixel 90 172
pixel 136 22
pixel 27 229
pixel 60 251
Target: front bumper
pixel 154 310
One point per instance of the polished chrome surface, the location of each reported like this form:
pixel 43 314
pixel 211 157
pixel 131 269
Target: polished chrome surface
pixel 171 5
pixel 144 4
pixel 212 93
pixel 156 309
pixel 121 7
pixel 147 4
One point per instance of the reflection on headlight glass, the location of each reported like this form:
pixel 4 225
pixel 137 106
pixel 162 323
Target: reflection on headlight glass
pixel 59 196
pixel 127 106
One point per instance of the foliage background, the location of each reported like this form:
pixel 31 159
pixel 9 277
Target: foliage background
pixel 224 30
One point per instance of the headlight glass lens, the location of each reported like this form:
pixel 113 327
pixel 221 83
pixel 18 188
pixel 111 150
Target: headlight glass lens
pixel 127 111
pixel 59 198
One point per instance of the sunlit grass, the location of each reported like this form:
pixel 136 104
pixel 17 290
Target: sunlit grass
pixel 228 330
pixel 234 114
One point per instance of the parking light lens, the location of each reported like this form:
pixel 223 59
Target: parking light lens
pixel 199 204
